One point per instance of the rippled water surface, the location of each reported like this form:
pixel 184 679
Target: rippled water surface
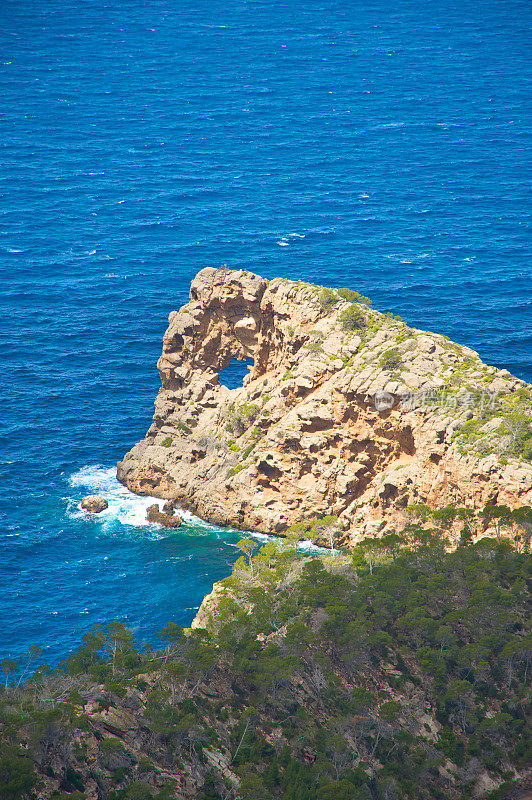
pixel 381 146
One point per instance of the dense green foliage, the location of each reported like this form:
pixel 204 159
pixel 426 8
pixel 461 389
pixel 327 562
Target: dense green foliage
pixel 317 679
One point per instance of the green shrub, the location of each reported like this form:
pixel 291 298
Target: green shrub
pixel 239 420
pixel 352 319
pixel 16 777
pixel 113 754
pixel 183 428
pixel 504 792
pixel 389 710
pixel 328 298
pixel 235 470
pixel 81 722
pixel 340 790
pixel 311 527
pixel 354 297
pixel 393 316
pixel 79 751
pixel 324 522
pixel 138 791
pixel 167 442
pixel 390 359
pixel 248 449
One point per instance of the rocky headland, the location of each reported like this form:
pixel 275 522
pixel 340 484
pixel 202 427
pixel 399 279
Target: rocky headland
pixel 347 414
pixel 398 670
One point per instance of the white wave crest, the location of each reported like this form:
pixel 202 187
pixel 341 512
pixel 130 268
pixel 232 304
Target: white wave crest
pixel 124 506
pixel 130 509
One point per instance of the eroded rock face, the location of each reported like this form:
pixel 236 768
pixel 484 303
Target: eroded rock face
pixel 346 411
pixel 94 503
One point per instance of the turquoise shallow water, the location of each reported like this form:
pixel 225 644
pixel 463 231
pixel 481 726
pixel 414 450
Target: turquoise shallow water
pixel 380 146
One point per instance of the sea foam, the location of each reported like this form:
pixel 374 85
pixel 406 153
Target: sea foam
pixel 130 509
pixel 124 506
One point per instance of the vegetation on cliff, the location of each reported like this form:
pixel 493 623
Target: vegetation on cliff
pixel 316 677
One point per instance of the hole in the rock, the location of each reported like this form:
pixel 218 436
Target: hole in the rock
pixel 233 375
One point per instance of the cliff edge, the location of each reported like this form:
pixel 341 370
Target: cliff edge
pixel 346 412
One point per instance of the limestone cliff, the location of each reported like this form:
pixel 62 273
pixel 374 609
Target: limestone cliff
pixel 346 411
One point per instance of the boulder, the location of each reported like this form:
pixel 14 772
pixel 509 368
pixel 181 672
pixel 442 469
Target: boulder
pixel 94 503
pixel 166 517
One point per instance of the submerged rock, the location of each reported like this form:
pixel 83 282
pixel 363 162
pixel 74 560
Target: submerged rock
pixel 94 503
pixel 346 412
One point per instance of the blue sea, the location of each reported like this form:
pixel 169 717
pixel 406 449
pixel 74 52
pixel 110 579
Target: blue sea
pixel 376 145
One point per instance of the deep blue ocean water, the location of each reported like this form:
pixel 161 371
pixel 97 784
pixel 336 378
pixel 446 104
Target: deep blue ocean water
pixel 377 145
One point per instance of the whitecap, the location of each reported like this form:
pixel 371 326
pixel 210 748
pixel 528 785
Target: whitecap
pixel 261 537
pixel 283 243
pixel 306 545
pixel 124 506
pixel 130 509
pixel 309 547
pixel 297 235
pixel 12 250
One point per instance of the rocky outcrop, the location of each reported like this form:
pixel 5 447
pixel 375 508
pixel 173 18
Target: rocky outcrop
pixel 208 607
pixel 345 412
pixel 166 517
pixel 94 503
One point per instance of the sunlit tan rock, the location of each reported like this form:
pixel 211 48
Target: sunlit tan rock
pixel 328 421
pixel 94 503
